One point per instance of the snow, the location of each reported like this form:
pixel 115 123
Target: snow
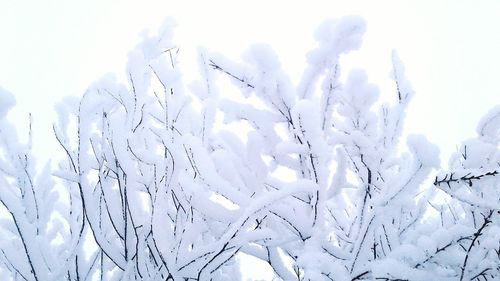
pixel 426 152
pixel 7 101
pixel 489 125
pixel 335 37
pixel 403 86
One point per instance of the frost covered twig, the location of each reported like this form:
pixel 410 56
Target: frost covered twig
pixel 468 178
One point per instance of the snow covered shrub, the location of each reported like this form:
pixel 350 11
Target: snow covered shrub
pixel 28 244
pixel 156 186
pixel 364 197
pixel 471 219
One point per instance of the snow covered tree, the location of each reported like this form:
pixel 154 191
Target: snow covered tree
pixel 467 243
pixel 458 237
pixel 145 177
pixel 28 249
pixel 156 184
pixel 364 196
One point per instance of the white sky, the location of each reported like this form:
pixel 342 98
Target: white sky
pixel 53 48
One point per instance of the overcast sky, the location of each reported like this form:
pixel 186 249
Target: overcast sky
pixel 53 48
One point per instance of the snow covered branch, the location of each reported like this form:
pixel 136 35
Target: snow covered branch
pixel 156 184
